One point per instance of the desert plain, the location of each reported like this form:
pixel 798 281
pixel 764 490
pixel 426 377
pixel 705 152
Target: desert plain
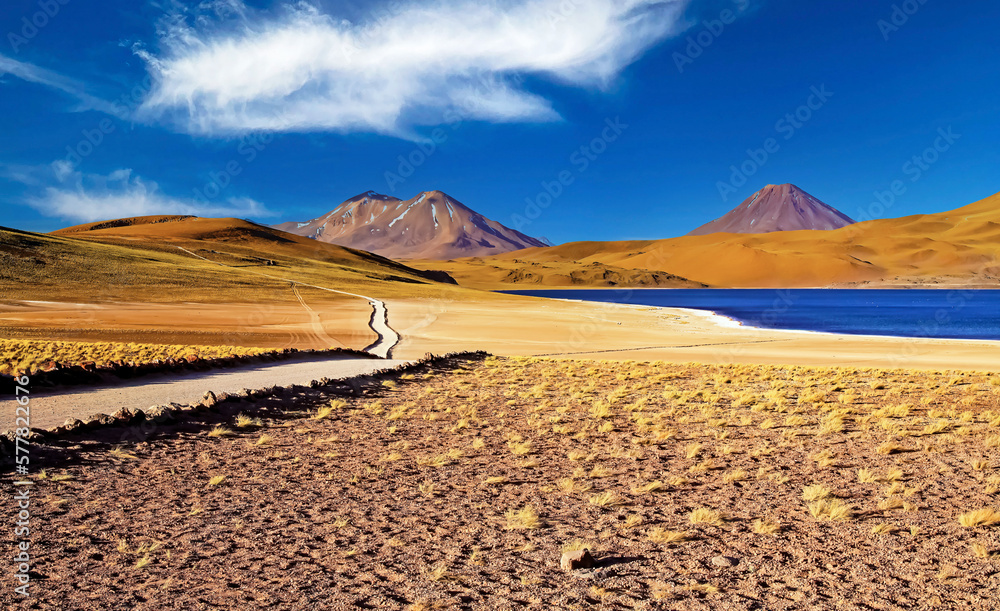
pixel 701 463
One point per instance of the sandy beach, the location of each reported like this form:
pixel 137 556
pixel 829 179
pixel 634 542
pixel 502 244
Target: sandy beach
pixel 504 325
pixel 522 326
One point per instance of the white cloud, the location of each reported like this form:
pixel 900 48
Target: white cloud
pixel 90 197
pixel 402 67
pixel 42 76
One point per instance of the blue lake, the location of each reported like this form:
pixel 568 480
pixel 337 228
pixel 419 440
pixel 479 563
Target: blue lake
pixel 937 313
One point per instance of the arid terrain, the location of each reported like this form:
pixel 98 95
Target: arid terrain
pixel 458 485
pixel 954 248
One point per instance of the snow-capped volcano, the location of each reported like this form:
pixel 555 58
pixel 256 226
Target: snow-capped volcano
pixel 432 225
pixel 777 208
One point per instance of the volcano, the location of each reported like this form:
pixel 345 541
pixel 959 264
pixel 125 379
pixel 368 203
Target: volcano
pixel 777 208
pixel 432 225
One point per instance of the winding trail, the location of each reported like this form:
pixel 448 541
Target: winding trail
pixel 52 407
pixel 388 338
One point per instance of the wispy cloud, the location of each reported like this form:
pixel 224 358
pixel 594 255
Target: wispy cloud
pixel 403 67
pixel 43 76
pixel 75 196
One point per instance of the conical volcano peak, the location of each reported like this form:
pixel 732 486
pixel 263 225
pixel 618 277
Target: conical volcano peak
pixel 432 225
pixel 783 207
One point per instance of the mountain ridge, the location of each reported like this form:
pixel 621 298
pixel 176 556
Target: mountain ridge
pixel 432 225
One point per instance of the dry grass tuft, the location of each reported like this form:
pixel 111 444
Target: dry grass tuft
pixel 765 527
pixel 981 517
pixel 703 515
pixel 663 536
pixel 606 499
pixel 577 545
pixel 816 492
pixel 523 519
pixel 323 413
pixel 830 510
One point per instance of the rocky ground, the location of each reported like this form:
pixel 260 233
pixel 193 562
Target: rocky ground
pixel 460 485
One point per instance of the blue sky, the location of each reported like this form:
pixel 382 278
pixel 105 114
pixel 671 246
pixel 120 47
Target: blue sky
pixel 640 107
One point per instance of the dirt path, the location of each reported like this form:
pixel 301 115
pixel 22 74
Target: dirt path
pixel 379 323
pixel 50 409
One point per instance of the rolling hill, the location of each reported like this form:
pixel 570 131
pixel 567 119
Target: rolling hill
pixel 168 259
pixel 432 225
pixel 958 248
pixel 777 208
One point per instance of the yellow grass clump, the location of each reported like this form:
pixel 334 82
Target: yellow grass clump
pixel 18 356
pixel 665 537
pixel 703 515
pixel 980 517
pixel 830 510
pixel 525 518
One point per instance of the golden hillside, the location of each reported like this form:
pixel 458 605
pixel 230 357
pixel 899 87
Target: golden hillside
pixel 957 247
pixel 177 259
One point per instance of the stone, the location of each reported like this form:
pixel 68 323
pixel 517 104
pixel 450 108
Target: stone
pixel 724 562
pixel 572 561
pixel 209 400
pixel 73 424
pixel 124 415
pixel 160 413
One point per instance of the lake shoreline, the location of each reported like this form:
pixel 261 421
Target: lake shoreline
pixel 906 314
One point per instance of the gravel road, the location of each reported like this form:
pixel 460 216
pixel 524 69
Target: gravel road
pixel 52 408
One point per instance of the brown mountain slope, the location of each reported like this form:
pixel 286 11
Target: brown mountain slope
pixel 777 208
pixel 432 225
pixel 234 242
pixel 175 259
pixel 960 246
